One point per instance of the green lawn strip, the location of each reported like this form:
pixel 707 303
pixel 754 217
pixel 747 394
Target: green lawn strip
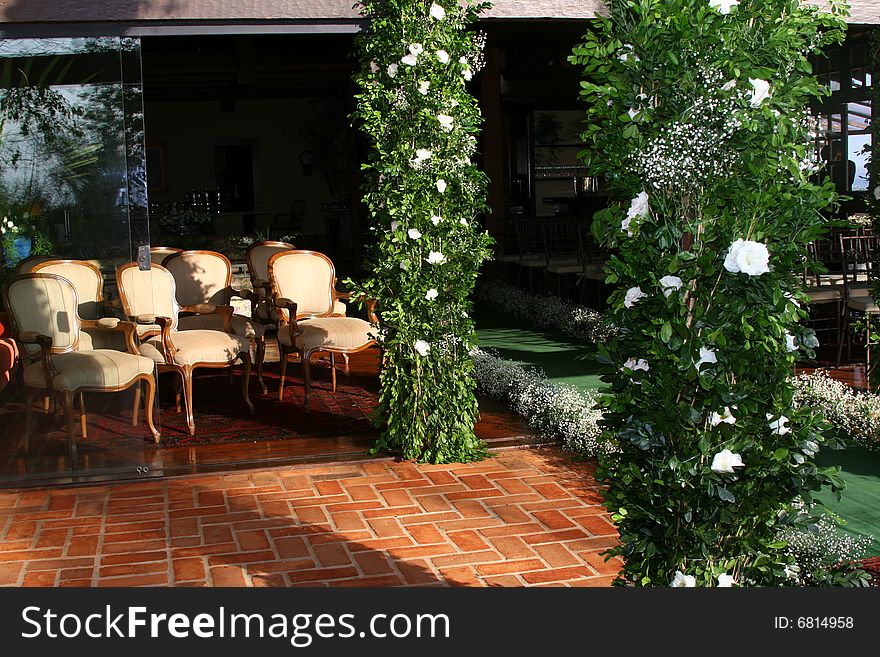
pixel 553 352
pixel 860 504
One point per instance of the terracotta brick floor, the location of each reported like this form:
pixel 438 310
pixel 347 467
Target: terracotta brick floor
pixel 525 517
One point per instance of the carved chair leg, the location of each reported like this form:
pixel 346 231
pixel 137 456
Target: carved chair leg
pixel 46 401
pixel 68 420
pixel 187 374
pixel 82 415
pixel 149 399
pixel 261 355
pixel 333 370
pixel 347 369
pixel 135 411
pixel 177 392
pixel 246 380
pixel 284 357
pixel 307 376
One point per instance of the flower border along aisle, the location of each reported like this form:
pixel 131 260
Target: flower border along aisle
pixel 697 115
pixel 423 194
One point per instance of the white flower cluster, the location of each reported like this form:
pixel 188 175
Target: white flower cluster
pixel 556 411
pixel 7 226
pixel 697 147
pixel 851 411
pixel 545 311
pixel 817 549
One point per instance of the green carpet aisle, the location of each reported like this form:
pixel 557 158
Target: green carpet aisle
pixel 556 355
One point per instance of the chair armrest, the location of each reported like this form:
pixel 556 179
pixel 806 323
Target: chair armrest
pixel 370 305
pixel 290 306
pixel 210 309
pixel 248 295
pixel 168 348
pixel 113 325
pixel 343 296
pixel 45 343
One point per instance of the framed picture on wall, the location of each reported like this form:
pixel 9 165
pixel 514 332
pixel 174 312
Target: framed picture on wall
pixel 155 167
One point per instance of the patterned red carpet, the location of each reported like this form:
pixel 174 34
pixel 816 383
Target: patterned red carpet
pixel 220 413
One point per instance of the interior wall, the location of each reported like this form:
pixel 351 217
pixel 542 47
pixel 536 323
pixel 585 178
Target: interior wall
pixel 188 132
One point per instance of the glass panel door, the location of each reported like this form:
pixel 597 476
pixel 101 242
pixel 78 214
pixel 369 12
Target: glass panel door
pixel 72 187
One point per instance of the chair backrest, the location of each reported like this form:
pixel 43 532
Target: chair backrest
pixel 591 251
pixel 530 238
pixel 26 266
pixel 306 277
pixel 159 253
pixel 45 304
pixel 258 254
pixel 147 292
pixel 561 239
pixel 87 280
pixel 858 253
pixel 200 277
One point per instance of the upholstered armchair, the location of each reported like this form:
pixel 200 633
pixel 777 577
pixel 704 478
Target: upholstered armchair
pixel 149 297
pixel 205 278
pixel 304 293
pixel 257 258
pixel 46 323
pixel 159 253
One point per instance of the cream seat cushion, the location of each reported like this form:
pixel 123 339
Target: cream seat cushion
pixel 329 332
pixel 199 346
pixel 101 368
pixel 240 325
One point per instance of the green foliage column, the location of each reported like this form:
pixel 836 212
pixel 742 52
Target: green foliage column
pixel 423 193
pixel 697 116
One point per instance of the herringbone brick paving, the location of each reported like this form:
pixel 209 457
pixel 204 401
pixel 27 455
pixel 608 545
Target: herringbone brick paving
pixel 523 518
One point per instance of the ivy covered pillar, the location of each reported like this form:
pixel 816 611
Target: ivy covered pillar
pixel 423 193
pixel 697 117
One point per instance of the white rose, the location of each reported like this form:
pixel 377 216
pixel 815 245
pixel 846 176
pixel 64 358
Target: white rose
pixel 424 85
pixel 633 364
pixel 877 192
pixel 467 74
pixel 670 284
pixel 392 70
pixel 374 67
pixel 727 86
pixel 445 121
pixel 409 60
pixel 725 461
pixel 682 581
pixel 625 226
pixel 441 185
pixel 394 225
pixel 436 220
pixel 435 258
pixel 423 154
pixel 725 580
pixel 422 347
pixel 747 257
pixel 633 295
pixel 638 206
pixel 632 111
pixel 437 12
pixel 778 426
pixel 726 417
pixel 431 295
pixel 443 56
pixel 414 233
pixel 706 356
pixel 464 222
pixel 723 6
pixel 790 344
pixel 416 49
pixel 760 91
